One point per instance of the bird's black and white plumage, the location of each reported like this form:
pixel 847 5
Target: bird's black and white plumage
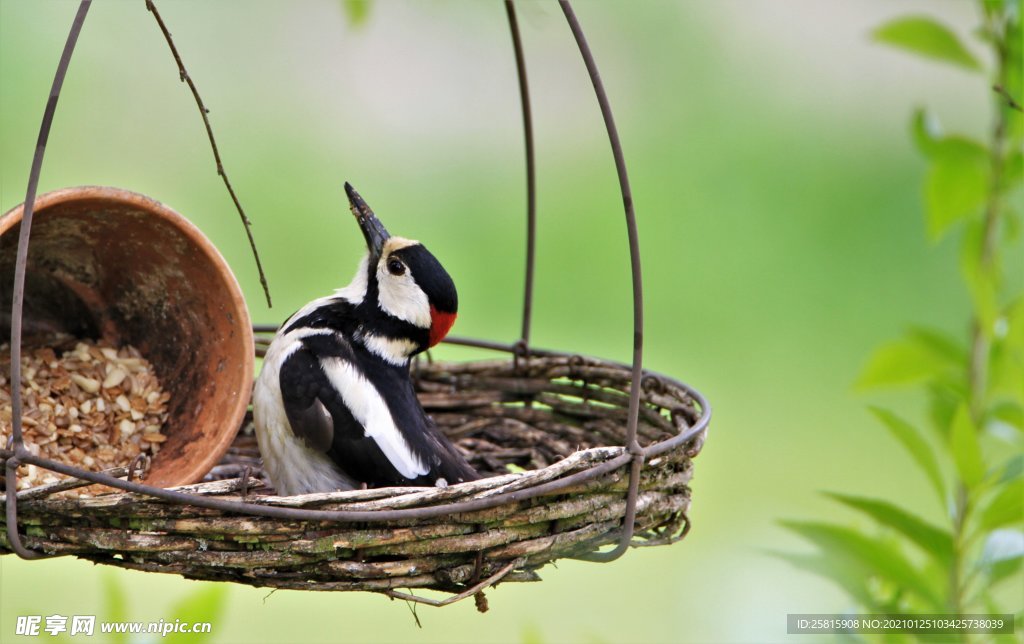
pixel 334 406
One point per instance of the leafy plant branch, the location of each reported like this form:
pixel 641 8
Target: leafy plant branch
pixel 974 389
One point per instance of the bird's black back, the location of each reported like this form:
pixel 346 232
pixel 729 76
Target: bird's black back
pixel 333 429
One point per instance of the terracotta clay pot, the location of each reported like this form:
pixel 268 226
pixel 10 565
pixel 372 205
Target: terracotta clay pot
pixel 110 264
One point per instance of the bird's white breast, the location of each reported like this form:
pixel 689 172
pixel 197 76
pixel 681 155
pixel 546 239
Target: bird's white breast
pixel 293 467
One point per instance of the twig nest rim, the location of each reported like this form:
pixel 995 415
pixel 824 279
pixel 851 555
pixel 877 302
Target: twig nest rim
pixel 450 551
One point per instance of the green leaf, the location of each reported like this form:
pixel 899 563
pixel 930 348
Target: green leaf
pixel 1002 545
pixel 906 361
pixel 1007 413
pixel 919 450
pixel 839 571
pixel 1013 470
pixel 1006 369
pixel 357 11
pixel 1013 171
pixel 1015 324
pixel 1013 225
pixel 956 183
pixel 876 557
pixel 1003 569
pixel 926 37
pixel 940 343
pixel 964 446
pixel 1006 373
pixel 114 604
pixel 926 131
pixel 932 540
pixel 944 397
pixel 1005 508
pixel 204 605
pixel 993 7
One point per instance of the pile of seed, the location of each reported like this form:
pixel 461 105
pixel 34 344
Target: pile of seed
pixel 92 406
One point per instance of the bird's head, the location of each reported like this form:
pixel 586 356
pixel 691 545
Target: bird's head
pixel 404 281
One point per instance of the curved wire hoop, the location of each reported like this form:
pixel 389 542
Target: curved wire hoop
pixel 634 454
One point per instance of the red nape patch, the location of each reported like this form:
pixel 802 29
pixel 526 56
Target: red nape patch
pixel 440 324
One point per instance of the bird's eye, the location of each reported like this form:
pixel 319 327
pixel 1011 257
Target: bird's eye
pixel 395 267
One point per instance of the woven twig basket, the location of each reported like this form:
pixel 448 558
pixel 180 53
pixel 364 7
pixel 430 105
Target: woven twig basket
pixel 564 415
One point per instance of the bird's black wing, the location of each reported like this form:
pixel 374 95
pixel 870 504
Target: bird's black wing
pixel 314 408
pixel 440 459
pixel 318 414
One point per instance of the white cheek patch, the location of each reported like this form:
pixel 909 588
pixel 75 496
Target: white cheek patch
pixel 401 297
pixel 370 410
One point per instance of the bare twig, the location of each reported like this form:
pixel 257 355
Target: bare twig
pixel 486 583
pixel 412 610
pixel 204 111
pixel 999 89
pixel 64 486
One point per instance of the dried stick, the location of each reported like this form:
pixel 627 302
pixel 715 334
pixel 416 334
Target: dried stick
pixel 203 110
pixel 486 583
pixel 64 486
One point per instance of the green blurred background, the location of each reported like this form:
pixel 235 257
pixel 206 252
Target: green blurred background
pixel 779 205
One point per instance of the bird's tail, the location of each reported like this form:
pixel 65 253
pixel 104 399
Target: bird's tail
pixel 454 468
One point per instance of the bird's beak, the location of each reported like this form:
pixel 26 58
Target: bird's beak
pixel 373 230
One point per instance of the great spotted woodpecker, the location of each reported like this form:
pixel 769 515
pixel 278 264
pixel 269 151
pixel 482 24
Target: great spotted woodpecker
pixel 334 406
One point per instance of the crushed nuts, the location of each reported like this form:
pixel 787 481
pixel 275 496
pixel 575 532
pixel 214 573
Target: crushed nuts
pixel 94 407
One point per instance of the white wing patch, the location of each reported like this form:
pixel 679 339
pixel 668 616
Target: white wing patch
pixel 370 410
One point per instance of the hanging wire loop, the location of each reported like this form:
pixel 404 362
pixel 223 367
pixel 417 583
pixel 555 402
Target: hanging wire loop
pixel 632 446
pixel 531 179
pixel 18 299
